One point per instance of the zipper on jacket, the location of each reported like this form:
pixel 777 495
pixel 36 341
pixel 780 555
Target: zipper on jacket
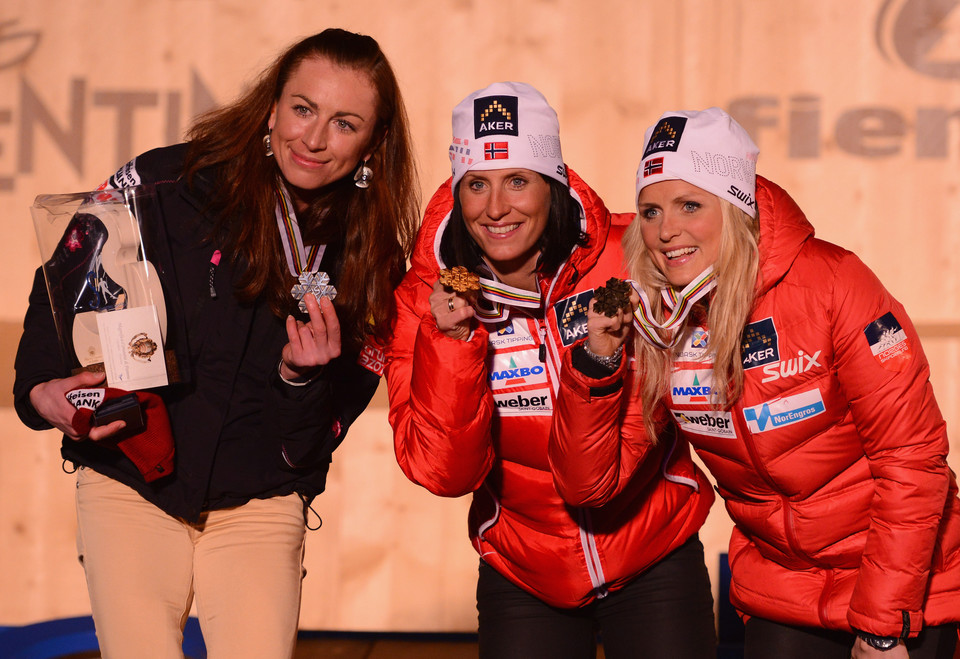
pixel 825 596
pixel 590 553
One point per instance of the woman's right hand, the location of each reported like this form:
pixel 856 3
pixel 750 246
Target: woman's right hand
pixel 452 312
pixel 50 401
pixel 606 334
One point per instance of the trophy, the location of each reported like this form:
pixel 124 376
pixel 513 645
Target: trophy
pixel 106 296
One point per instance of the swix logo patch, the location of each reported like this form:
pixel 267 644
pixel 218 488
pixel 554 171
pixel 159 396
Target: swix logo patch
pixel 888 342
pixel 784 411
pixel 713 424
pixel 743 196
pixel 495 115
pixel 690 387
pixel 516 368
pixel 572 316
pixel 802 363
pixel 759 345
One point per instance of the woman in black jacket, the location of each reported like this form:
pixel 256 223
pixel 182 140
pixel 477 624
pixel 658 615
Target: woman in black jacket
pixel 310 170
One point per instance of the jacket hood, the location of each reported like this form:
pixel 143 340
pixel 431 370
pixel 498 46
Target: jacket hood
pixel 783 231
pixel 594 221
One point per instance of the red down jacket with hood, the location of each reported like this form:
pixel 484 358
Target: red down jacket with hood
pixel 474 416
pixel 832 463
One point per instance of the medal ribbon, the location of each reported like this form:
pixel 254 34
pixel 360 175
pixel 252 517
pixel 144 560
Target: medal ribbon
pixel 679 305
pixel 300 257
pixel 501 297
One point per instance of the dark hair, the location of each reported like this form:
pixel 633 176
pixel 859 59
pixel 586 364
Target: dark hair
pixel 374 228
pixel 562 233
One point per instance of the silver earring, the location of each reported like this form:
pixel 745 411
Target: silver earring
pixel 267 146
pixel 363 176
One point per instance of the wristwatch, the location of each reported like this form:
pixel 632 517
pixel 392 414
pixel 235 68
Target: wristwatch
pixel 882 643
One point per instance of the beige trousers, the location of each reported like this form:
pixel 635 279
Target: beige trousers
pixel 144 568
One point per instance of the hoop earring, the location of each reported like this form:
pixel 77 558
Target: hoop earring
pixel 267 146
pixel 363 176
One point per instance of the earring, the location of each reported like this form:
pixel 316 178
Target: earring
pixel 363 176
pixel 267 146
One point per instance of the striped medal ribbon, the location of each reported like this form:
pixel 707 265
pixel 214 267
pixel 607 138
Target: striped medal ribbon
pixel 499 297
pixel 679 305
pixel 300 258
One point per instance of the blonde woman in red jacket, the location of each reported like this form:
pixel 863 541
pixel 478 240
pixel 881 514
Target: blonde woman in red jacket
pixel 472 378
pixel 802 385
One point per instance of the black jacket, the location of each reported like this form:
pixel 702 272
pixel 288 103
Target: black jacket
pixel 237 427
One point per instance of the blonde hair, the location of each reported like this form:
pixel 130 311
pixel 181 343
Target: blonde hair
pixel 729 308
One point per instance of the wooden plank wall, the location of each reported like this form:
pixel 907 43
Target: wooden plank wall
pixel 855 105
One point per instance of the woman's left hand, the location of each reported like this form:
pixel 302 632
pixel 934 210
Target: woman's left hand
pixel 311 344
pixel 863 650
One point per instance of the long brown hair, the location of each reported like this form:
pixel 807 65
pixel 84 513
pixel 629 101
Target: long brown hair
pixel 729 309
pixel 375 227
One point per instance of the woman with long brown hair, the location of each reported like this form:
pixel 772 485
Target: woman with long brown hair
pixel 308 172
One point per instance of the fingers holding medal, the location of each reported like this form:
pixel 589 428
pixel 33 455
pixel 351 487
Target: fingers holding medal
pixel 451 301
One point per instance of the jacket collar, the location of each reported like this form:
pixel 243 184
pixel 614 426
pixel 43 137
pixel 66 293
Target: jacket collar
pixel 783 231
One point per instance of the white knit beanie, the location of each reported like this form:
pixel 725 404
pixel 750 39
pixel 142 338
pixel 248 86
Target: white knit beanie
pixel 506 125
pixel 707 149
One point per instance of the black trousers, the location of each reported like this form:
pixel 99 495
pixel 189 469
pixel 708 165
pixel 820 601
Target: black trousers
pixel 764 639
pixel 666 612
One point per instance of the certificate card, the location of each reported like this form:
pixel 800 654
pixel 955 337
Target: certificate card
pixel 132 348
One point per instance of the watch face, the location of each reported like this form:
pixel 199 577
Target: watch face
pixel 882 643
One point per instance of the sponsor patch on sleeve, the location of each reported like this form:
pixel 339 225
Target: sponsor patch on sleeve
pixel 572 316
pixel 126 177
pixel 888 342
pixel 372 358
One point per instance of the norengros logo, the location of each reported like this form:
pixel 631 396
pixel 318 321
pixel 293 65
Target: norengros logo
pixel 923 34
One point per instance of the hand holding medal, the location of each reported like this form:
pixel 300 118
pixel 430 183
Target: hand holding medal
pixel 451 302
pixel 610 317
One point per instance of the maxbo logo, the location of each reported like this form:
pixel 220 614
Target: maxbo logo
pixel 917 32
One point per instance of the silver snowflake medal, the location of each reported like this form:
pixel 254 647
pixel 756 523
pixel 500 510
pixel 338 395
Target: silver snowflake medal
pixel 317 283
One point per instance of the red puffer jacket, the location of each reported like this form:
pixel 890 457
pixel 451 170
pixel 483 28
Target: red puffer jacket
pixel 832 463
pixel 474 416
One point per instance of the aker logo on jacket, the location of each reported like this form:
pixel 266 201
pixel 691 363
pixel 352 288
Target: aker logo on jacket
pixel 572 316
pixel 784 411
pixel 759 346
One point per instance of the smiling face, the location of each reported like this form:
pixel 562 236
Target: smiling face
pixel 506 211
pixel 322 126
pixel 681 225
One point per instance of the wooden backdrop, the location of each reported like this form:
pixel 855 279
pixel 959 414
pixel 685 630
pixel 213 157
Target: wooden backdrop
pixel 855 106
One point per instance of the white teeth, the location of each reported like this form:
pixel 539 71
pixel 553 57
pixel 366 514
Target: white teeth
pixel 505 228
pixel 679 252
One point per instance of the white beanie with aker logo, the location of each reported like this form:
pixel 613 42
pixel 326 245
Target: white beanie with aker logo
pixel 707 149
pixel 506 125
